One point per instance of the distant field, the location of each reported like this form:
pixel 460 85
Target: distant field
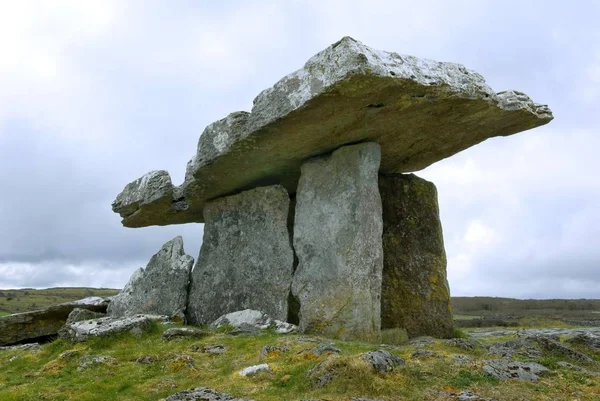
pixel 15 301
pixel 509 312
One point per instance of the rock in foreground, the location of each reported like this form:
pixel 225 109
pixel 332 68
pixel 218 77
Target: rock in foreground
pixel 32 326
pixel 107 326
pixel 419 111
pixel 161 288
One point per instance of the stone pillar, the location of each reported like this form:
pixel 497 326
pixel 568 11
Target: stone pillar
pixel 415 293
pixel 337 238
pixel 161 288
pixel 246 260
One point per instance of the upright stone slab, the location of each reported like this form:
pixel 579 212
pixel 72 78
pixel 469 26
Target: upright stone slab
pixel 161 288
pixel 415 293
pixel 337 237
pixel 246 260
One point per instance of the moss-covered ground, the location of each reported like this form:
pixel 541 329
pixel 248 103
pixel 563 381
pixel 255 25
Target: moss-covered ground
pixel 44 375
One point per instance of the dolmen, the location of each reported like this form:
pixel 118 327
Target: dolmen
pixel 310 214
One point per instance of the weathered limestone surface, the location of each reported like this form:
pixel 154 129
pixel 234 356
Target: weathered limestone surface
pixel 419 111
pixel 107 326
pixel 415 293
pixel 161 288
pixel 246 260
pixel 337 237
pixel 29 326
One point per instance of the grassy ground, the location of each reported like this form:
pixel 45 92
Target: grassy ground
pixel 15 301
pixel 45 376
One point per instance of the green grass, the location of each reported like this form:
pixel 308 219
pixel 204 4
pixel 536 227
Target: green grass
pixel 45 376
pixel 4 313
pixel 15 301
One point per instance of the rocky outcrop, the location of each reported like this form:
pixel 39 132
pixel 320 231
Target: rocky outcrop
pixel 415 293
pixel 337 238
pixel 522 371
pixel 159 289
pixel 246 260
pixel 107 326
pixel 203 394
pixel 37 325
pixel 419 111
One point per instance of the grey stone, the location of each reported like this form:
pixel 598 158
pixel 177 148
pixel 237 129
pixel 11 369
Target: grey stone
pixel 146 360
pixel 159 289
pixel 175 333
pixel 246 260
pixel 254 370
pixel 106 326
pixel 202 394
pixel 551 345
pixel 78 315
pixel 337 238
pixel 577 368
pixel 214 349
pixel 415 294
pixel 588 340
pixel 422 353
pixel 249 317
pixel 88 361
pixel 383 361
pixel 462 359
pixel 245 330
pixel 269 349
pixel 30 326
pixel 419 111
pixel 522 371
pixel 22 347
pixel 463 343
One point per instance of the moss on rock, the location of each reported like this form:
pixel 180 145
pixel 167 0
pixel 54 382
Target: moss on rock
pixel 415 292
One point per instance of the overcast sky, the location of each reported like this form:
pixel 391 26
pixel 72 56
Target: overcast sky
pixel 93 94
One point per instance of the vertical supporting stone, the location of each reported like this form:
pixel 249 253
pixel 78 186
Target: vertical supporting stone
pixel 337 238
pixel 246 259
pixel 415 293
pixel 161 288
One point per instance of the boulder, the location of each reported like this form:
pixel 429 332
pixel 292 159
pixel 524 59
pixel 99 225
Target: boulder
pixel 79 314
pixel 178 333
pixel 419 111
pixel 246 259
pixel 337 238
pixel 415 293
pixel 107 326
pixel 159 289
pixel 252 321
pixel 254 370
pixel 39 325
pixel 383 361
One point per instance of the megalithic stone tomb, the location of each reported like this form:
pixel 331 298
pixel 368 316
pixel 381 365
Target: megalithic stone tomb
pixel 338 136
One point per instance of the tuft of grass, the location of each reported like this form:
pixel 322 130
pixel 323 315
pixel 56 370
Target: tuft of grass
pixel 465 378
pixel 459 333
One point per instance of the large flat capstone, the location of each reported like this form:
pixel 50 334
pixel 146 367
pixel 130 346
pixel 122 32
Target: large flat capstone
pixel 415 293
pixel 246 259
pixel 419 111
pixel 337 238
pixel 159 289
